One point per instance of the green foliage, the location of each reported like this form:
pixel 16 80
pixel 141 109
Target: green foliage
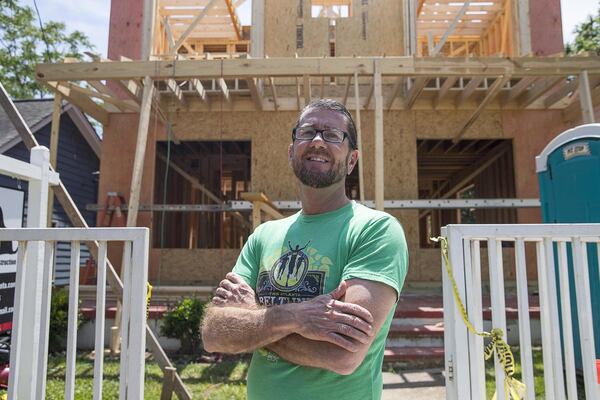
pixel 183 323
pixel 59 320
pixel 23 45
pixel 588 36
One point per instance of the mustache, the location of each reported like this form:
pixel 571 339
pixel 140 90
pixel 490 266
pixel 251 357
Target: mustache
pixel 316 153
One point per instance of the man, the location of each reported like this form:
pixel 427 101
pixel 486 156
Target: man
pixel 313 294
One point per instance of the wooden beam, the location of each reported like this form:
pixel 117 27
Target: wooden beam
pixel 148 21
pixel 175 89
pixel 323 86
pixel 224 89
pixel 585 97
pixel 361 175
pixel 468 90
pixel 398 85
pixel 418 86
pixel 446 86
pixel 169 33
pixel 491 94
pixel 451 27
pixel 379 149
pixel 505 24
pixel 273 92
pixel 420 7
pixel 516 90
pixel 298 106
pixel 54 135
pixel 140 153
pixel 573 111
pixel 83 102
pixel 369 95
pixel 541 87
pixel 122 105
pixel 254 93
pixel 568 87
pixel 199 88
pixel 193 25
pixel 347 91
pixel 257 33
pixel 306 88
pixel 333 66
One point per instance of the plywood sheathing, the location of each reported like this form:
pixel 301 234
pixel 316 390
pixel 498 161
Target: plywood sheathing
pixel 384 35
pixel 196 266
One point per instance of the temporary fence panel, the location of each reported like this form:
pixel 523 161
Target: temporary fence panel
pixel 464 352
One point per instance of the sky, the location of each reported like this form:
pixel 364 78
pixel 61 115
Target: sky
pixel 92 16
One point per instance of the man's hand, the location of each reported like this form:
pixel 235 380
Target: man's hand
pixel 234 291
pixel 326 318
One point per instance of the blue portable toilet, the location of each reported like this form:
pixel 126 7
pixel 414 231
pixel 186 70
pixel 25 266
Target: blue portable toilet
pixel 569 176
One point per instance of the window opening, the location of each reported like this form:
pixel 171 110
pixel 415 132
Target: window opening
pixel 331 9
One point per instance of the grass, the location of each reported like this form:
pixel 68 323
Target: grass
pixel 219 381
pixel 538 373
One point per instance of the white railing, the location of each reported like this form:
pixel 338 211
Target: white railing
pixel 31 310
pixel 29 343
pixel 464 352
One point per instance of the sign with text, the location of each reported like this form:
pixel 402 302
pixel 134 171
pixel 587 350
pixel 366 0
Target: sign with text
pixel 11 216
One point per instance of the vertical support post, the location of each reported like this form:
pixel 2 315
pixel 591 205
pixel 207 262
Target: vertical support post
pixel 168 380
pixel 498 305
pixel 472 258
pixel 100 320
pixel 136 344
pixel 449 330
pixel 136 177
pixel 125 317
pixel 379 160
pixel 361 176
pixel 148 23
pixel 45 319
pixel 585 97
pixel 256 206
pixel 54 134
pixel 524 323
pixel 28 295
pixel 72 323
pixel 524 31
pixel 257 43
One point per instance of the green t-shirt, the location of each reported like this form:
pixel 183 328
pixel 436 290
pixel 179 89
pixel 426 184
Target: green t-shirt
pixel 303 256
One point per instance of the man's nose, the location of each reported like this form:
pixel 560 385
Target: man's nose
pixel 318 140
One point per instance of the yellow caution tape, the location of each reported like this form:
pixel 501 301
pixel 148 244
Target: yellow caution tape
pixel 513 388
pixel 148 296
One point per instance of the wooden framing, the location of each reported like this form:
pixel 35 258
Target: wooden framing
pixel 379 156
pixel 585 97
pixel 361 175
pixel 539 82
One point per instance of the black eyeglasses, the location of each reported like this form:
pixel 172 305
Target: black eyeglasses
pixel 330 135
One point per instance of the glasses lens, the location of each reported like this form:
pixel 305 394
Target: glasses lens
pixel 333 136
pixel 305 133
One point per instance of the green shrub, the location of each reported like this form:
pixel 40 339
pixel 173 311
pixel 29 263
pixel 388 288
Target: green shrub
pixel 183 322
pixel 59 320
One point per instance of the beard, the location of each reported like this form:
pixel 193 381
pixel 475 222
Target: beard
pixel 319 179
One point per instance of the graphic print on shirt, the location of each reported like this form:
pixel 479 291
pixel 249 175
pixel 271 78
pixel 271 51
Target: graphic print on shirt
pixel 296 274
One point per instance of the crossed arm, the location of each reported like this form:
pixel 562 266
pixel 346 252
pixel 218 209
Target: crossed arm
pixel 332 331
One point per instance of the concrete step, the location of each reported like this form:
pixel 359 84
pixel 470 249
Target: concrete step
pixel 393 354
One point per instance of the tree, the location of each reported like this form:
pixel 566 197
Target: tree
pixel 23 44
pixel 588 36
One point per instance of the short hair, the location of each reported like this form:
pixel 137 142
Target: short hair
pixel 336 106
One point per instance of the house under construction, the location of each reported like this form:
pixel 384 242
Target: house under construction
pixel 453 100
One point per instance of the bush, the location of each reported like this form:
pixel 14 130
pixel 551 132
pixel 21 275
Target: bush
pixel 183 323
pixel 59 320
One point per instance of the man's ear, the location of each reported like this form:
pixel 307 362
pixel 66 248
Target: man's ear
pixel 352 160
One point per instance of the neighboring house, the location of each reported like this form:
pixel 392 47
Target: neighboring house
pixel 78 162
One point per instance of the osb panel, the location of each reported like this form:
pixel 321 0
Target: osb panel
pixel 384 30
pixel 447 124
pixel 281 18
pixel 270 134
pixel 316 37
pixel 195 266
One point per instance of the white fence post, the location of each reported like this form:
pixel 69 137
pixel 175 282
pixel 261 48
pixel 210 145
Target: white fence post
pixel 28 291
